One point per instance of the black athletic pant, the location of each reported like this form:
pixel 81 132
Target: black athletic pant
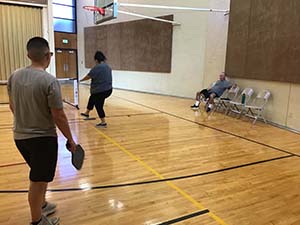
pixel 98 100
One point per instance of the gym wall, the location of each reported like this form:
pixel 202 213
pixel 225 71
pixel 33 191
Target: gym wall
pixel 264 40
pixel 141 45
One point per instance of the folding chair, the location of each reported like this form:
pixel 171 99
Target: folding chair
pixel 236 105
pixel 228 95
pixel 256 108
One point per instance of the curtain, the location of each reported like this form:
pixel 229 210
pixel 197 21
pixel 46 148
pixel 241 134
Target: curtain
pixel 17 25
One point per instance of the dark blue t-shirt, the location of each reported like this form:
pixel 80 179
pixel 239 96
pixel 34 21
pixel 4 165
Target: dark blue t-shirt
pixel 101 76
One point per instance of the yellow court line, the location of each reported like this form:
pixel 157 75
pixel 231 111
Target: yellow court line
pixel 169 183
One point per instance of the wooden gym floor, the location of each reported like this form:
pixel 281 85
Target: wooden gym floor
pixel 159 162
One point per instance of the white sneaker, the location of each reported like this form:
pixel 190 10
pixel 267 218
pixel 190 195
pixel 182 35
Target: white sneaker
pixel 49 221
pixel 49 209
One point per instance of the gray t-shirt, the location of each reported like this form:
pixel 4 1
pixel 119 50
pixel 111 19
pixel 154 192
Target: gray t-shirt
pixel 33 92
pixel 220 86
pixel 101 78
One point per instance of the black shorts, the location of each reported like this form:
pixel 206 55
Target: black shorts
pixel 207 93
pixel 41 156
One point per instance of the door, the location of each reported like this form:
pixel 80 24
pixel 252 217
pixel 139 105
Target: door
pixel 59 62
pixel 71 65
pixel 66 63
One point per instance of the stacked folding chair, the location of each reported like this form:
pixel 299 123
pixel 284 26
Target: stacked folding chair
pixel 224 100
pixel 237 105
pixel 257 106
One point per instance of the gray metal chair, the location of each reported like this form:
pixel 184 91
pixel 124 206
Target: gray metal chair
pixel 256 108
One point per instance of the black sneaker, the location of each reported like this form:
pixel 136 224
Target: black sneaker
pixel 104 125
pixel 208 109
pixel 194 107
pixel 85 115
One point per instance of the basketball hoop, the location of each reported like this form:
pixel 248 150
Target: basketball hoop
pixel 101 11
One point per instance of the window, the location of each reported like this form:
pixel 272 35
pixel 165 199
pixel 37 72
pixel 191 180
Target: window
pixel 60 11
pixel 64 16
pixel 64 2
pixel 62 25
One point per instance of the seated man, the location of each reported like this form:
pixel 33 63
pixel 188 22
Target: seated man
pixel 215 91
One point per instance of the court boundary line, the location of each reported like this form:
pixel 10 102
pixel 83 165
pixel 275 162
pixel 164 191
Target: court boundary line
pixel 81 120
pixel 125 115
pixel 138 114
pixel 211 127
pixel 185 217
pixel 13 164
pixel 121 185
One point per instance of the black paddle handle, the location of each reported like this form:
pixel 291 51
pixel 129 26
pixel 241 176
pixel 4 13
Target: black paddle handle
pixel 68 145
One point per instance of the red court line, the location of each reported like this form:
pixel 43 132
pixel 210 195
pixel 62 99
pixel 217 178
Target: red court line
pixel 13 164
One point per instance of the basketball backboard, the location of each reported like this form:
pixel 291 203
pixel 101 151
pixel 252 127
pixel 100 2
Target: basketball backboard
pixel 110 10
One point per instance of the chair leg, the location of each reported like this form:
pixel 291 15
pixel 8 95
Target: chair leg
pixel 254 121
pixel 241 113
pixel 261 116
pixel 227 110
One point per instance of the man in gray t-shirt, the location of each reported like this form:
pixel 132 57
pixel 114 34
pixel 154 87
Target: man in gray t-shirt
pixel 34 92
pixel 35 100
pixel 209 94
pixel 219 87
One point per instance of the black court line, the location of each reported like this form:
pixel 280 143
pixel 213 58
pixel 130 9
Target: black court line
pixel 75 121
pixel 137 114
pixel 186 217
pixel 153 181
pixel 13 164
pixel 213 128
pixel 124 115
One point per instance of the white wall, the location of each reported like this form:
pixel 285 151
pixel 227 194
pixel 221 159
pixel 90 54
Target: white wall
pixel 189 46
pixel 216 42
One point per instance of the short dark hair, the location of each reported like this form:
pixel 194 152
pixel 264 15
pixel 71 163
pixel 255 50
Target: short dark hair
pixel 99 56
pixel 37 47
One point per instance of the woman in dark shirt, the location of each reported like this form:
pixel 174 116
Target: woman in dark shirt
pixel 101 87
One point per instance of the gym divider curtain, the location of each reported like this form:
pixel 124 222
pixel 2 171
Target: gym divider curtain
pixel 17 25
